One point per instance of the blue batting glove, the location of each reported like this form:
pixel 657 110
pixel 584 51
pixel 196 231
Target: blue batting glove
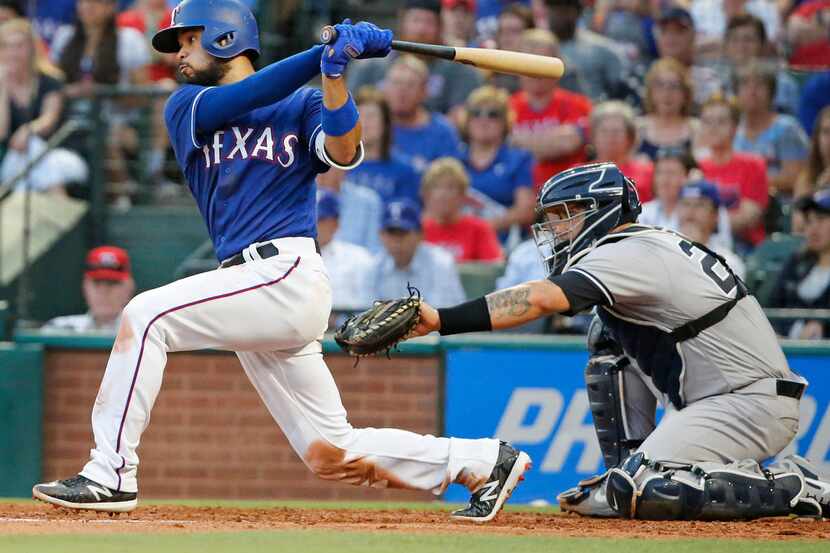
pixel 348 45
pixel 377 42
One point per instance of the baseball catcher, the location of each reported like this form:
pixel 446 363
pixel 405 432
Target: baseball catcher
pixel 675 325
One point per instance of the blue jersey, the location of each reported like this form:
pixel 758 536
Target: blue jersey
pixel 391 178
pixel 421 145
pixel 512 168
pixel 253 179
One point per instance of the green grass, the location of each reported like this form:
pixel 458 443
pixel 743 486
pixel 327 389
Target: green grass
pixel 332 541
pixel 313 541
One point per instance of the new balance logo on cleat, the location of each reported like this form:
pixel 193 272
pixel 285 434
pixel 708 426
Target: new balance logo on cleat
pixel 488 500
pixel 491 491
pixel 80 492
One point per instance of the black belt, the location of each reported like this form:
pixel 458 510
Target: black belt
pixel 789 388
pixel 264 250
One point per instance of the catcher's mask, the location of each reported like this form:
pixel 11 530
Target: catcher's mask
pixel 579 206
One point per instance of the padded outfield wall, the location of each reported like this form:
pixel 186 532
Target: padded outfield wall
pixel 210 436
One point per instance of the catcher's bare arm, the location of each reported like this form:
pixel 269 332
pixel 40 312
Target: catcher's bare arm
pixel 506 308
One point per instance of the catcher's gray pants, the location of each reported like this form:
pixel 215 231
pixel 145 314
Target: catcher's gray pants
pixel 750 423
pixel 272 312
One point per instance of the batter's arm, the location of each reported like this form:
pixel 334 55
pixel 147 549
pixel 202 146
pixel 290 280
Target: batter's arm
pixel 341 149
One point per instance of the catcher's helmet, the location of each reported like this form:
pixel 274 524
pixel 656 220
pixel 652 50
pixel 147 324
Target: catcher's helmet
pixel 577 207
pixel 228 28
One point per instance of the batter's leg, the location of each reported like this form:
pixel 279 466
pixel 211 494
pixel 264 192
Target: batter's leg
pixel 252 306
pixel 301 395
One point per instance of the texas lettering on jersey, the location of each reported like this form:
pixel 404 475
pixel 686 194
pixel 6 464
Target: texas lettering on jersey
pixel 249 143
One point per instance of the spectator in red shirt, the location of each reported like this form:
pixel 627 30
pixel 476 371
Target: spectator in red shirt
pixel 808 35
pixel 552 123
pixel 614 134
pixel 147 17
pixel 741 177
pixel 468 238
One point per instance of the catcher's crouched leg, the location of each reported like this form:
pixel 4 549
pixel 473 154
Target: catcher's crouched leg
pixel 668 490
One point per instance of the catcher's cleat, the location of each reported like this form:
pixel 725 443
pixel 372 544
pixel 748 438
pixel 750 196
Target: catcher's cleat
pixel 486 503
pixel 79 492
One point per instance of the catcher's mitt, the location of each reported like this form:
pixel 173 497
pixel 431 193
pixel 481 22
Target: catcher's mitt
pixel 381 327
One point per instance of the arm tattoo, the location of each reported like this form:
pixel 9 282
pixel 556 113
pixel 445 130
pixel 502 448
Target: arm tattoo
pixel 512 302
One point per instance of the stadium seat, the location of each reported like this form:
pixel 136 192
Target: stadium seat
pixel 765 263
pixel 479 278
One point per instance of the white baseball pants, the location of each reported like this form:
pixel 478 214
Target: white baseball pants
pixel 272 312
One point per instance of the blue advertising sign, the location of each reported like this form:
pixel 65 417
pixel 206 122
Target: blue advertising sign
pixel 536 399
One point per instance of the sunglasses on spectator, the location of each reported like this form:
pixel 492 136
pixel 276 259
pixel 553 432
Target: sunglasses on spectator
pixel 488 113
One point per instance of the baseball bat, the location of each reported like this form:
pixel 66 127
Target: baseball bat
pixel 500 61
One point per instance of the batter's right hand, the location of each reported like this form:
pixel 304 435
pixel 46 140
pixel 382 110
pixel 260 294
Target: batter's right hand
pixel 428 322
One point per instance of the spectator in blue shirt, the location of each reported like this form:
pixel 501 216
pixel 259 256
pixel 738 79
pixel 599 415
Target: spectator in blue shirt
pixel 383 171
pixel 418 135
pixel 815 94
pixel 360 210
pixel 501 176
pixel 407 260
pixel 776 137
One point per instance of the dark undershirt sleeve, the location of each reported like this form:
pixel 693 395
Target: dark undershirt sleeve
pixel 581 291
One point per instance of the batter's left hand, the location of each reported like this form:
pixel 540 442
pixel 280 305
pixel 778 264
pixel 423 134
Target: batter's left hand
pixel 364 40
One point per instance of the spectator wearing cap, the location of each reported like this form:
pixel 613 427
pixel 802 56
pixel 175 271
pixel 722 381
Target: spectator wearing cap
pixel 669 103
pixel 384 171
pixel 346 264
pixel 458 22
pixel 489 12
pixel 407 260
pixel 107 288
pixel 673 168
pixel 741 177
pixel 448 83
pixel 418 135
pixel 361 209
pixel 614 139
pixel 551 123
pixel 599 60
pixel 501 175
pixel 698 213
pixel 711 19
pixel 675 35
pixel 466 237
pixel 777 137
pixel 745 40
pixel 805 280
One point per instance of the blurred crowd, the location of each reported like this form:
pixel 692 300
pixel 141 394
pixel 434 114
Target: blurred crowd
pixel 719 110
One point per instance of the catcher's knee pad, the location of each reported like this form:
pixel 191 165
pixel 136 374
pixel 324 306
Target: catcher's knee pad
pixel 666 490
pixel 604 385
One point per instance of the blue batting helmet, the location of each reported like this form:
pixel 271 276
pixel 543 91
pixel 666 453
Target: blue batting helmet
pixel 579 206
pixel 228 28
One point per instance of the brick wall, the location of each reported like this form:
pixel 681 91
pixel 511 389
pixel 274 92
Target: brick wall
pixel 211 437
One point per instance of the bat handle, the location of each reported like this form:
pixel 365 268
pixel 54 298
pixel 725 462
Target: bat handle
pixel 328 34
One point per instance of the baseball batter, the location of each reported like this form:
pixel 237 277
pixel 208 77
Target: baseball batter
pixel 250 144
pixel 674 324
